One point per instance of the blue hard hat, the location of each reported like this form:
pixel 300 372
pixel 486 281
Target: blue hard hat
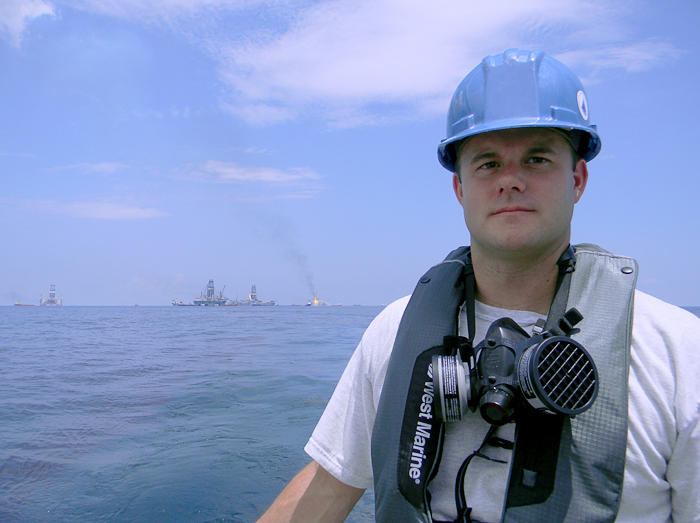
pixel 519 89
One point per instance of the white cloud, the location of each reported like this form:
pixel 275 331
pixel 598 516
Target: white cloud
pixel 366 62
pixel 98 168
pixel 630 57
pixel 257 184
pixel 97 210
pixel 17 155
pixel 342 59
pixel 226 172
pixel 105 167
pixel 260 113
pixel 15 15
pixel 251 150
pixel 355 53
pixel 164 9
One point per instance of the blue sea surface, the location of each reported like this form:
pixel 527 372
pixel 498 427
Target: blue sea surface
pixel 163 414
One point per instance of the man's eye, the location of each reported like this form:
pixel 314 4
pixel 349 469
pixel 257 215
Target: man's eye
pixel 537 159
pixel 488 165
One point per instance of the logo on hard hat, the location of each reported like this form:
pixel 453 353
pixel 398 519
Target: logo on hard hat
pixel 582 104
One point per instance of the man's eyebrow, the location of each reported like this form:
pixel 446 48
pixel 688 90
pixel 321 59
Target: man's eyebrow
pixel 488 155
pixel 539 149
pixel 544 147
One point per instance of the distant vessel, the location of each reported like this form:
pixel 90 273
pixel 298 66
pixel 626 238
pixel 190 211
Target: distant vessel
pixel 178 303
pixel 253 297
pixel 316 302
pixel 18 304
pixel 51 300
pixel 210 298
pixel 252 300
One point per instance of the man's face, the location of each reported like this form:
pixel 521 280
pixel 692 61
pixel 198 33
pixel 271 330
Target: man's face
pixel 518 189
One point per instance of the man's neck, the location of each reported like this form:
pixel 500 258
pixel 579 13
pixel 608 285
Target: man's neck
pixel 518 283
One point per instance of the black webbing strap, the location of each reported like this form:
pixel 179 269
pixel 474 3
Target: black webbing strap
pixel 470 297
pixel 567 265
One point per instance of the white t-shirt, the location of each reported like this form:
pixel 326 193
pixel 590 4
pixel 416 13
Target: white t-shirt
pixel 662 468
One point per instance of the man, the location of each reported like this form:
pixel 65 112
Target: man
pixel 518 142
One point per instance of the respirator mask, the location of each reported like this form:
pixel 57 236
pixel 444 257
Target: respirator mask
pixel 509 372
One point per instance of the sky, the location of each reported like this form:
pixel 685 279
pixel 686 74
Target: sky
pixel 148 146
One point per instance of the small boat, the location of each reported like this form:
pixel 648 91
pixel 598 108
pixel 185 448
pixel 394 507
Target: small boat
pixel 178 303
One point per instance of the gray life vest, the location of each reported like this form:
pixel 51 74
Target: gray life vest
pixel 585 482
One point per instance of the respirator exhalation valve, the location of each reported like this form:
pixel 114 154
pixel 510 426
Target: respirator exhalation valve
pixel 509 370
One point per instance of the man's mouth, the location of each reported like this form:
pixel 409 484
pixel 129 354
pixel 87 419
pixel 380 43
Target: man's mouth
pixel 511 209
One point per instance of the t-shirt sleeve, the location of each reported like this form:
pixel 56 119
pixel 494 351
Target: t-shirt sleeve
pixel 683 473
pixel 662 468
pixel 341 441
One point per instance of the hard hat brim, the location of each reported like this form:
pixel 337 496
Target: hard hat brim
pixel 446 149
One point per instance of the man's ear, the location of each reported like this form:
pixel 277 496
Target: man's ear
pixel 457 186
pixel 580 179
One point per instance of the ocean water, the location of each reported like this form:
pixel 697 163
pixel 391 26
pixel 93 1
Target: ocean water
pixel 163 414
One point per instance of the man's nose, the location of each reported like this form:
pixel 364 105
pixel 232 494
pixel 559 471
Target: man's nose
pixel 512 178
